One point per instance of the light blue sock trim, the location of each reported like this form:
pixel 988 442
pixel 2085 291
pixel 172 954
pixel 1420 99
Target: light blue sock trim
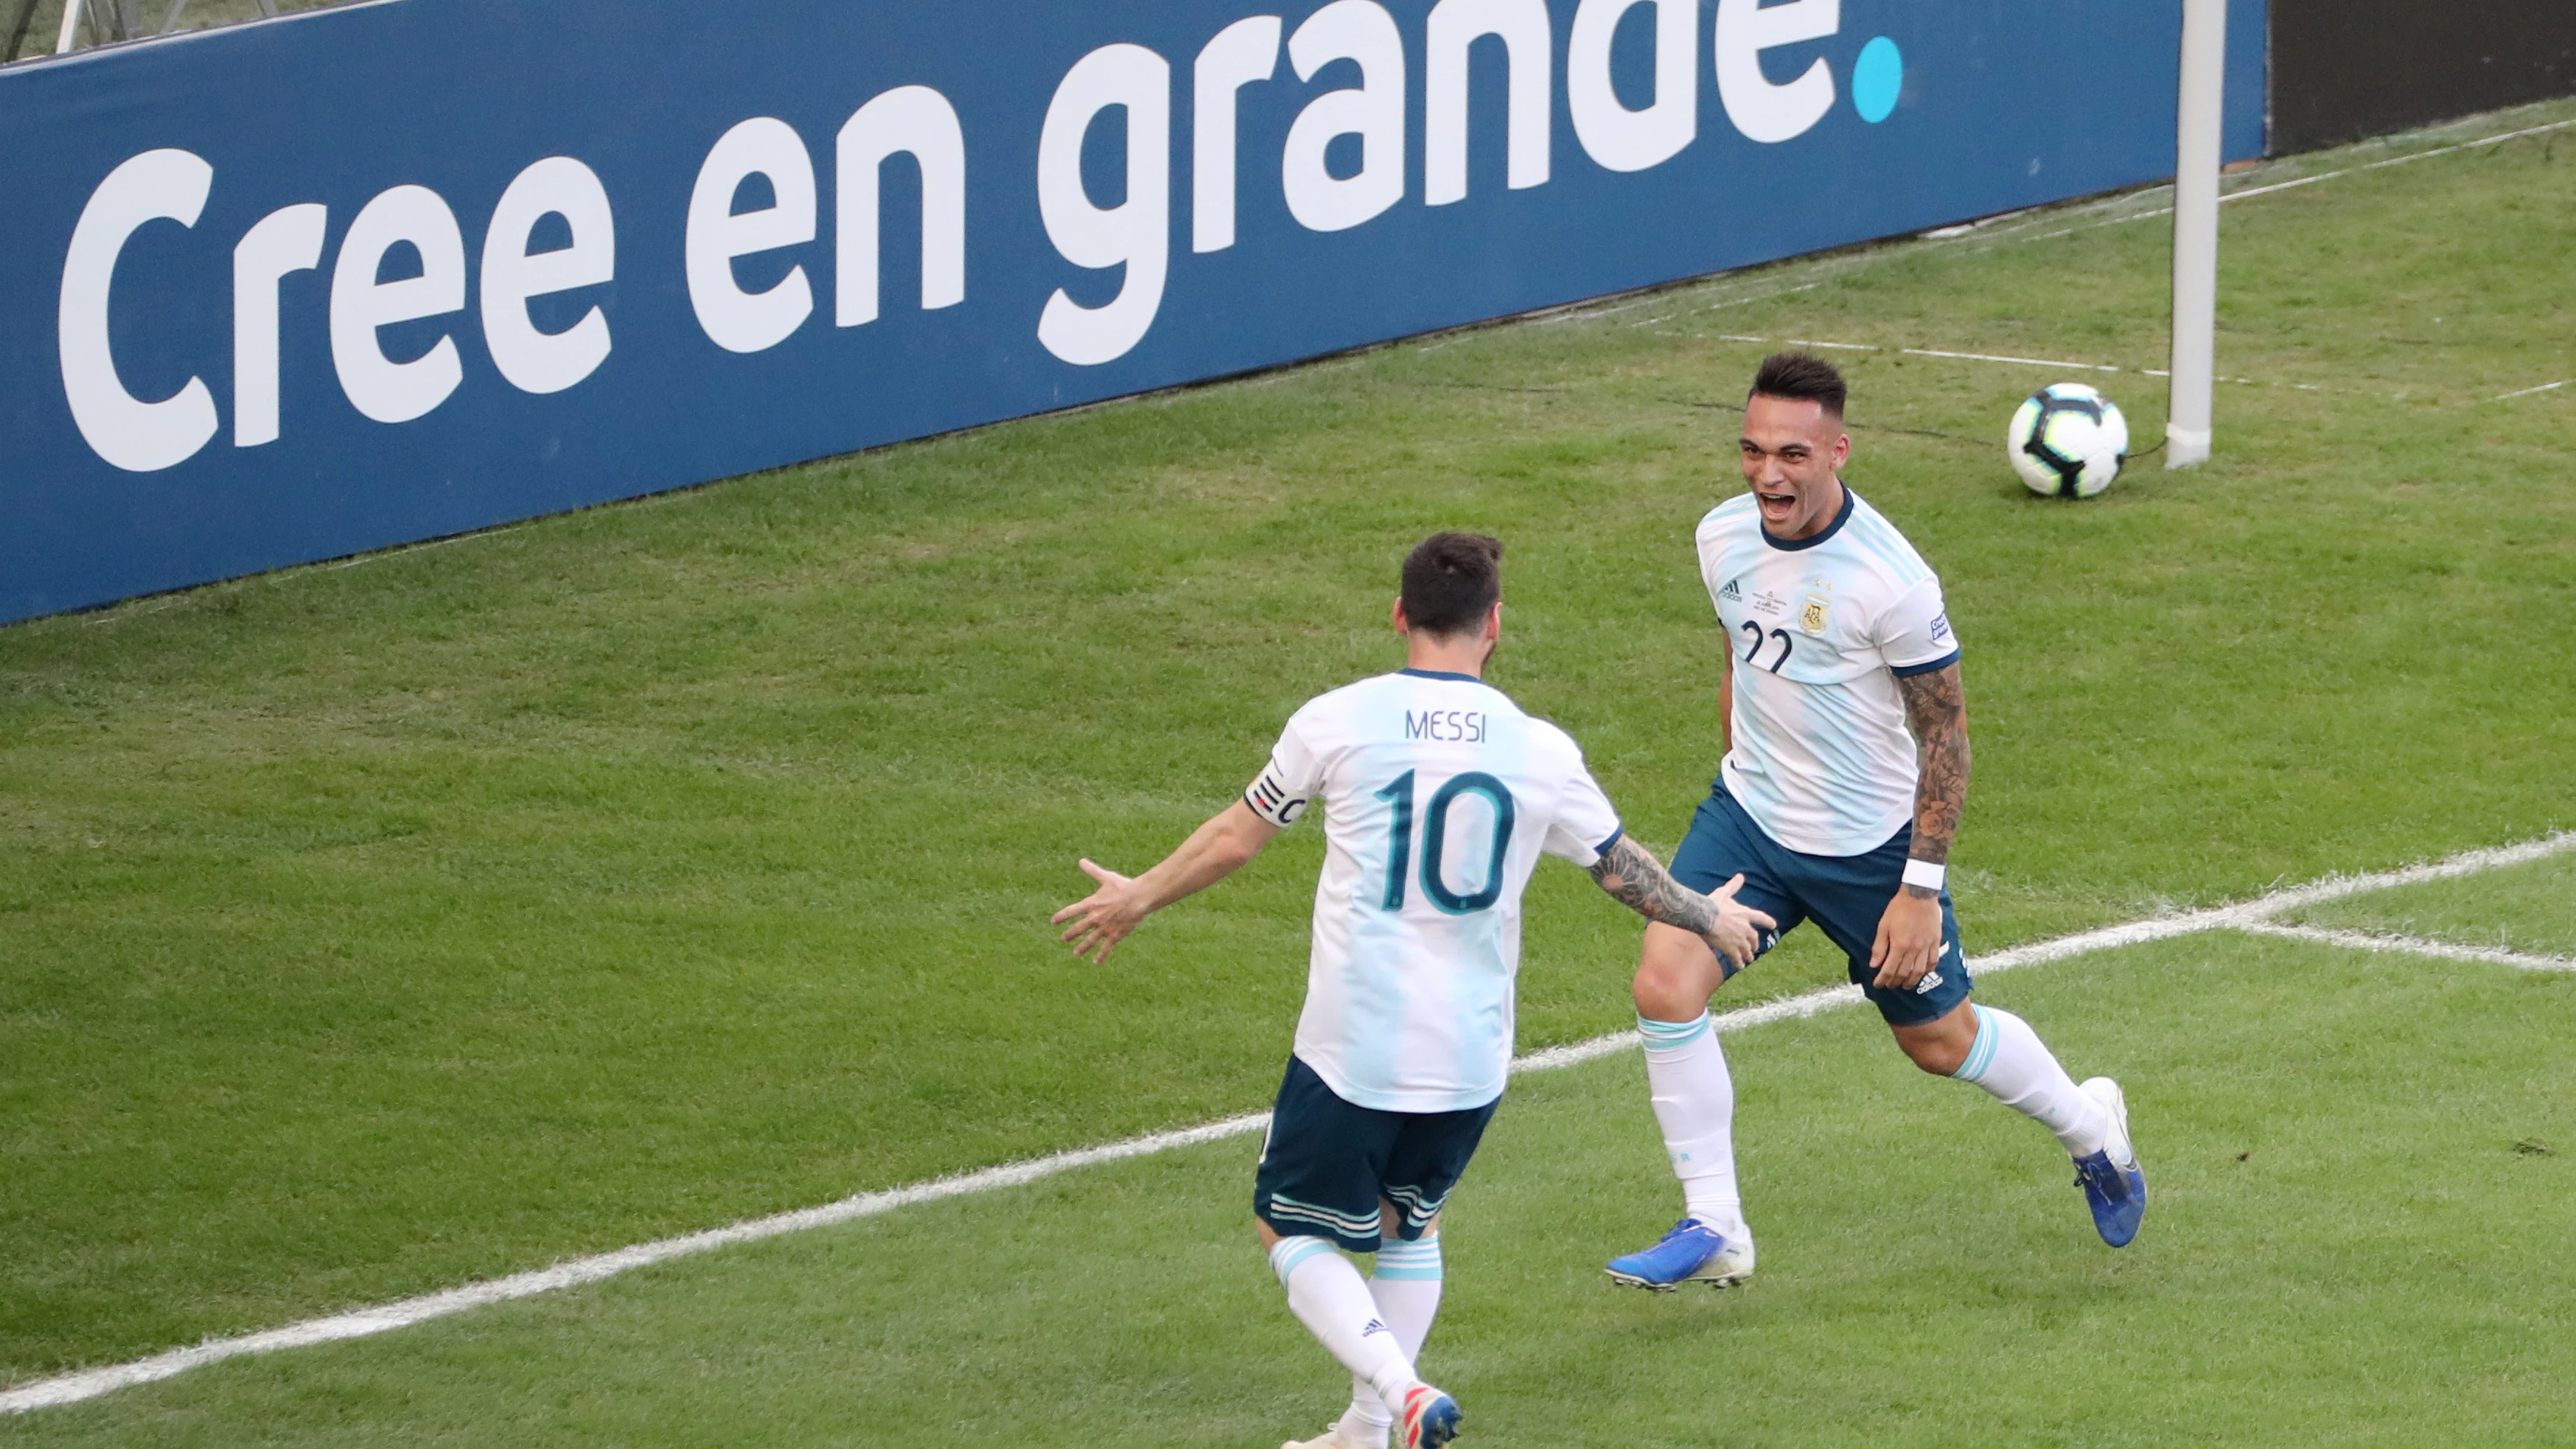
pixel 1981 1052
pixel 1417 1262
pixel 1288 1253
pixel 1670 1034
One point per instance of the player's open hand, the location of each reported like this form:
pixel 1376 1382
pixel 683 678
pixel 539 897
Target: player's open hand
pixel 1909 940
pixel 1737 938
pixel 1103 918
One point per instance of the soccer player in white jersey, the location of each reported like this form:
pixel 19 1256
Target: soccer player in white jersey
pixel 1826 809
pixel 1438 797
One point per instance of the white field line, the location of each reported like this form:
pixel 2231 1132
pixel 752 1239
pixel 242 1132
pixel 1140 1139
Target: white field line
pixel 1603 309
pixel 2004 360
pixel 1967 229
pixel 1811 1003
pixel 2254 191
pixel 2000 359
pixel 365 1322
pixel 384 1318
pixel 2410 946
pixel 1743 301
pixel 2015 361
pixel 2336 887
pixel 2398 160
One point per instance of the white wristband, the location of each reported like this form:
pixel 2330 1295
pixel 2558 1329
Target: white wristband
pixel 1926 874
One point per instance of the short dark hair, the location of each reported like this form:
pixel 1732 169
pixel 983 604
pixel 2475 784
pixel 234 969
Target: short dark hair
pixel 1801 377
pixel 1451 581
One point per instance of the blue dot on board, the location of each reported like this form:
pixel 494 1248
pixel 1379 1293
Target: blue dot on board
pixel 1877 79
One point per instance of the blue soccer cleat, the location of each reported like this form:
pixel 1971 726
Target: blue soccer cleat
pixel 1430 1418
pixel 2114 1186
pixel 1693 1252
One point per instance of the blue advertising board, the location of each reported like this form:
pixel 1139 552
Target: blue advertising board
pixel 308 287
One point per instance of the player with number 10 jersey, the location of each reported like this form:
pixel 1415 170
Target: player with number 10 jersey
pixel 1438 796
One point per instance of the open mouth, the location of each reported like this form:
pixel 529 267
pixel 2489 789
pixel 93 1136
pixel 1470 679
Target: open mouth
pixel 1775 505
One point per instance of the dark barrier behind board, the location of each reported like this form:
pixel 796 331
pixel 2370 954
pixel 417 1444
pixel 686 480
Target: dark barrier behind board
pixel 2346 69
pixel 300 289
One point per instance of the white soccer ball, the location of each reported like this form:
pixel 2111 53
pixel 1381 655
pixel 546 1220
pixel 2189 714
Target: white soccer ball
pixel 2068 441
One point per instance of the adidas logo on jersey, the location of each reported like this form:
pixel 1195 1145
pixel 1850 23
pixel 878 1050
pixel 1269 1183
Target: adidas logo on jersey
pixel 1731 592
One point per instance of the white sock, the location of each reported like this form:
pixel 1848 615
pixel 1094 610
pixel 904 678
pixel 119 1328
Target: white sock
pixel 2010 1061
pixel 1695 1102
pixel 1406 1286
pixel 1330 1297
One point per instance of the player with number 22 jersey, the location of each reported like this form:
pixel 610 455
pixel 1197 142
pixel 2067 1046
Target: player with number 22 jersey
pixel 1845 773
pixel 1821 636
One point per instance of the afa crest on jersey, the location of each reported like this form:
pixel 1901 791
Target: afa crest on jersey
pixel 1813 617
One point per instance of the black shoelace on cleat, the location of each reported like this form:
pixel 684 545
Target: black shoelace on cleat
pixel 2106 1179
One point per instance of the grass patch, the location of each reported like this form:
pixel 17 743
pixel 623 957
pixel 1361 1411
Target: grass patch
pixel 366 929
pixel 2344 1247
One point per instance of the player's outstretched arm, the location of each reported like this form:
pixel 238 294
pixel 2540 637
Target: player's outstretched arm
pixel 1634 878
pixel 1214 851
pixel 1909 934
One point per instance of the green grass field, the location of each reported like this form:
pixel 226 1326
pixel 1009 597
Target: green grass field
pixel 366 930
pixel 2327 1260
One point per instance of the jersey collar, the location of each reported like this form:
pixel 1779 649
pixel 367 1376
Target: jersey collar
pixel 1438 674
pixel 1792 546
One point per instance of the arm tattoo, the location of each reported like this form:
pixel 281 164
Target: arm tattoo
pixel 1936 709
pixel 1634 878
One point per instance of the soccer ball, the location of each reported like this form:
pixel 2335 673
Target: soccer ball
pixel 2068 441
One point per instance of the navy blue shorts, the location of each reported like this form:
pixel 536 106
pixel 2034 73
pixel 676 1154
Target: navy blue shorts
pixel 1844 894
pixel 1327 1162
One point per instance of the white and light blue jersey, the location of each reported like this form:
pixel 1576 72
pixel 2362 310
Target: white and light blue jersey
pixel 1821 628
pixel 1438 798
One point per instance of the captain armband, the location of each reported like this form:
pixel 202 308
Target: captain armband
pixel 1270 799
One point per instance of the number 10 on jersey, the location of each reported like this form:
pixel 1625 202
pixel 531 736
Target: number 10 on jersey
pixel 1435 840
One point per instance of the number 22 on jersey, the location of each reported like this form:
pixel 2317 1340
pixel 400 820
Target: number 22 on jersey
pixel 1753 651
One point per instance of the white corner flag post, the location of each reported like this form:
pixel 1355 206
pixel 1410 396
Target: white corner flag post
pixel 2195 252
